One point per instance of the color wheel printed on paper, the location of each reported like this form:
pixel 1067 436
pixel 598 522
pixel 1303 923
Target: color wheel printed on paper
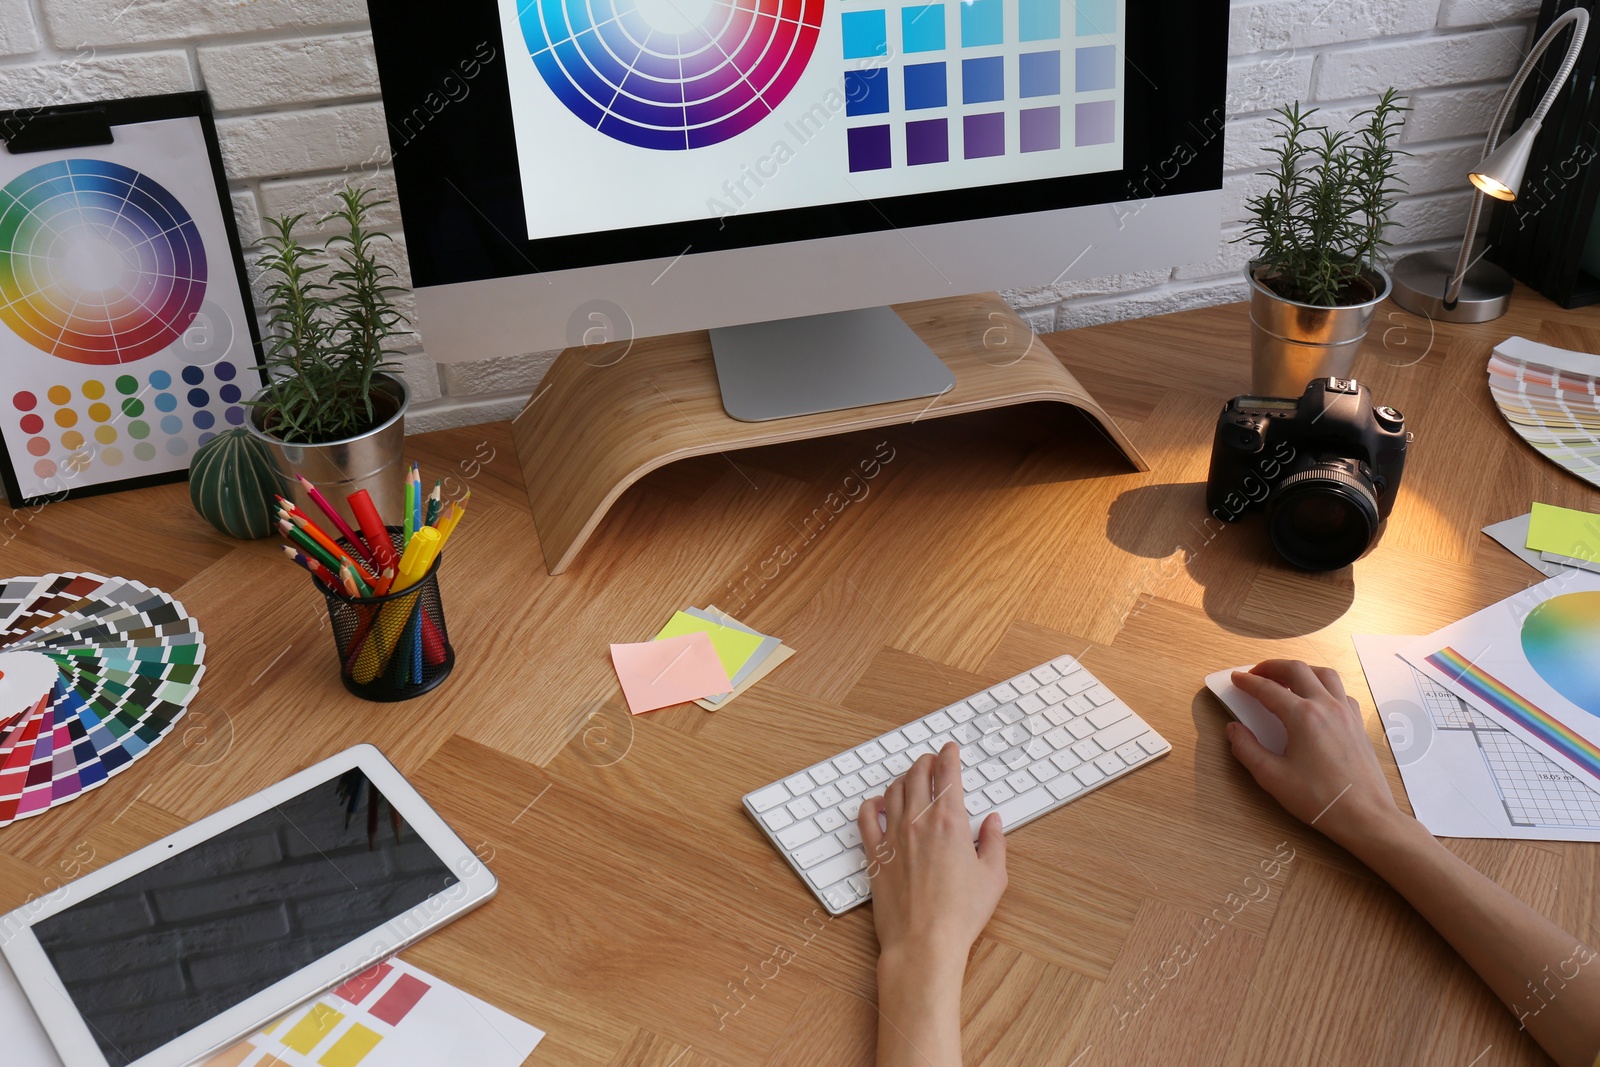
pixel 93 672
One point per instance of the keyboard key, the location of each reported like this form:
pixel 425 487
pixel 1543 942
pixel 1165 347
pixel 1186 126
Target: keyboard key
pixel 850 835
pixel 801 784
pixel 848 763
pixel 839 867
pixel 1003 693
pixel 1073 684
pixel 1100 695
pixel 852 807
pixel 823 773
pixel 827 797
pixel 1080 728
pixel 874 774
pixel 1015 760
pixel 960 711
pixel 1063 787
pixel 840 896
pixel 966 733
pixel 1131 754
pixel 794 836
pixel 822 848
pixel 1022 781
pixel 851 784
pixel 939 722
pixel 1058 714
pixel 1058 738
pixel 994 744
pixel 916 732
pixel 802 808
pixel 988 723
pixel 976 802
pixel 1009 713
pixel 1109 763
pixel 831 819
pixel 1024 683
pixel 938 741
pixel 897 764
pixel 971 755
pixel 776 819
pixel 1021 807
pixel 992 769
pixel 1036 725
pixel 1120 733
pixel 916 752
pixel 1065 760
pixel 1052 694
pixel 1112 712
pixel 860 883
pixel 1045 675
pixel 1087 749
pixel 763 799
pixel 1064 664
pixel 1015 734
pixel 1089 774
pixel 998 792
pixel 1031 704
pixel 982 702
pixel 1153 744
pixel 1038 748
pixel 1044 770
pixel 972 780
pixel 871 752
pixel 894 742
pixel 1079 705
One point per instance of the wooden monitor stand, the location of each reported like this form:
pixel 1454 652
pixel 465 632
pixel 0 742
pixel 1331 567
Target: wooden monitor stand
pixel 606 416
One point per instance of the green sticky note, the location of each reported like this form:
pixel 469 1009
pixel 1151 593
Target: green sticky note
pixel 1564 531
pixel 733 646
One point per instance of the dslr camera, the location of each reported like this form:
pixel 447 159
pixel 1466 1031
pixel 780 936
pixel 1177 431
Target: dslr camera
pixel 1324 467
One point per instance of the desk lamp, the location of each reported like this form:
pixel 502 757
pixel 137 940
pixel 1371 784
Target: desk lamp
pixel 1428 283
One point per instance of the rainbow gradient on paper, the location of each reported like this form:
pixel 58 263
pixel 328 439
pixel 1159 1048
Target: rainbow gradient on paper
pixel 653 88
pixel 99 264
pixel 1505 700
pixel 1561 639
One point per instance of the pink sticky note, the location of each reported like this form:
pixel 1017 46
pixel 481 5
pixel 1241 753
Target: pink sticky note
pixel 674 670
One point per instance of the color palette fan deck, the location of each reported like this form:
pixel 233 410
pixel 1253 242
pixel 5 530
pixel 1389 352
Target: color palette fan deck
pixel 1550 398
pixel 93 672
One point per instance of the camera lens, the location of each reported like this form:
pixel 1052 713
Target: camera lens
pixel 1323 518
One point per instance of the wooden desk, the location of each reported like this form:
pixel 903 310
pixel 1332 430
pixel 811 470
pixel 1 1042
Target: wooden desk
pixel 642 919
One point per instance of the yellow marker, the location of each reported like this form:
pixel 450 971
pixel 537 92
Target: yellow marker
pixel 391 622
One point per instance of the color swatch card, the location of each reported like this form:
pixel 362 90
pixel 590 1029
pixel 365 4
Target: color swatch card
pixel 124 338
pixel 1530 662
pixel 394 1015
pixel 1549 396
pixel 93 672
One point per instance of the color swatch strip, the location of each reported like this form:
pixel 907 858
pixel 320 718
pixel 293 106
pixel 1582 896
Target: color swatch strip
pixel 1501 698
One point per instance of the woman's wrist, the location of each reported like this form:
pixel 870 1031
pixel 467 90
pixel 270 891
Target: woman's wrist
pixel 929 963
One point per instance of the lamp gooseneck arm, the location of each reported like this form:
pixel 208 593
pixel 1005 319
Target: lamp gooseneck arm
pixel 1580 18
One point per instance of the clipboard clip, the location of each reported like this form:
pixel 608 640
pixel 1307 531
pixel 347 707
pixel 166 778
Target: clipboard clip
pixel 49 128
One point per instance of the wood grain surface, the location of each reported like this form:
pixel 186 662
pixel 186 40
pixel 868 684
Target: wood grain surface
pixel 642 919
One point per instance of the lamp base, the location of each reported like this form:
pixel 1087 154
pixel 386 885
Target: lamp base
pixel 1420 280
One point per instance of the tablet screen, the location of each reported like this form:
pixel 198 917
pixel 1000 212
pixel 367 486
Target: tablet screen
pixel 158 954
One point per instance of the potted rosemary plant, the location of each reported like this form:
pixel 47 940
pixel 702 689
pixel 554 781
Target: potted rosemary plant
pixel 331 412
pixel 1319 233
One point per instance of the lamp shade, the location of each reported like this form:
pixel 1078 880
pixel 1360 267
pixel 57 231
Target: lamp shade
pixel 1500 173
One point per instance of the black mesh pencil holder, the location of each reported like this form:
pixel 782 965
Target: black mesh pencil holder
pixel 391 647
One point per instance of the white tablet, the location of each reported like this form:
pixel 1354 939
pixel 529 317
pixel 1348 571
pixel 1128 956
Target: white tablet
pixel 185 946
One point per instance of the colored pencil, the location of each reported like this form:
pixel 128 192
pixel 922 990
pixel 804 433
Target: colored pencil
pixel 433 504
pixel 347 578
pixel 409 523
pixel 416 500
pixel 447 523
pixel 343 527
pixel 316 533
pixel 318 571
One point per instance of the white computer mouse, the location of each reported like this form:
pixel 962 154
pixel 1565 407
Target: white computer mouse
pixel 1267 727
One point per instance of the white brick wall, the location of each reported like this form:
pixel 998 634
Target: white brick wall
pixel 296 90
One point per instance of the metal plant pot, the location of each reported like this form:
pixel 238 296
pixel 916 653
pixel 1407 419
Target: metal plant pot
pixel 1293 343
pixel 374 461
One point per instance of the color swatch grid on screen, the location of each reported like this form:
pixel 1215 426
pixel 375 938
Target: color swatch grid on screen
pixel 111 418
pixel 99 264
pixel 671 74
pixel 947 81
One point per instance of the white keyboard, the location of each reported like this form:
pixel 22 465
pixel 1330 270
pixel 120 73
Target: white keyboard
pixel 1028 746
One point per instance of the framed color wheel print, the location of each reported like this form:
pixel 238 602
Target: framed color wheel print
pixel 126 337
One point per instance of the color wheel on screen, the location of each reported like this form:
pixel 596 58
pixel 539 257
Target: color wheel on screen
pixel 99 264
pixel 671 74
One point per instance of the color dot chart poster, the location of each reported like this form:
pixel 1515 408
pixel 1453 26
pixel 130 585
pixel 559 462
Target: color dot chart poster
pixel 125 341
pixel 1530 662
pixel 643 112
pixel 394 1015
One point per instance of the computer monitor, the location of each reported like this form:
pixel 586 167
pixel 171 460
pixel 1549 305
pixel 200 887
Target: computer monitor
pixel 581 171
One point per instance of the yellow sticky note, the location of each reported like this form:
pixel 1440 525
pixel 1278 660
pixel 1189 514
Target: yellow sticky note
pixel 733 646
pixel 1564 531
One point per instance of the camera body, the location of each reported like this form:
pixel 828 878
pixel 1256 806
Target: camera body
pixel 1326 467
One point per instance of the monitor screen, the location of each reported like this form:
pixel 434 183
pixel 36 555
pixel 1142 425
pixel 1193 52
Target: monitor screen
pixel 541 136
pixel 157 954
